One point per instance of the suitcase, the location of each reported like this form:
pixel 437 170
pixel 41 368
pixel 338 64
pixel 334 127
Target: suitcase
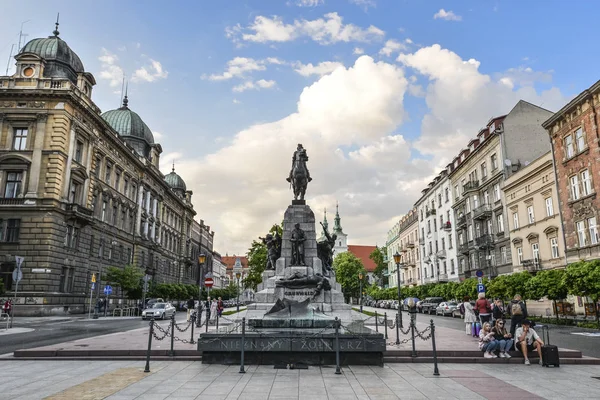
pixel 477 328
pixel 549 352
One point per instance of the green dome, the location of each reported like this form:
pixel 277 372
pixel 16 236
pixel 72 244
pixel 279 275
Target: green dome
pixel 61 61
pixel 175 181
pixel 128 123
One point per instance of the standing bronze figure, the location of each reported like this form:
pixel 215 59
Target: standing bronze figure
pixel 273 249
pixel 325 250
pixel 298 238
pixel 299 175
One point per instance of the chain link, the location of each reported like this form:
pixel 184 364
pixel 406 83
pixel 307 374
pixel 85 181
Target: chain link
pixel 185 329
pixel 165 332
pixel 420 334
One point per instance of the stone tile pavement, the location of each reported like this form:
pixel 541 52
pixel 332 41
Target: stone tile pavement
pixel 123 380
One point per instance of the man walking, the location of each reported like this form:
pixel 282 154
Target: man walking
pixel 190 308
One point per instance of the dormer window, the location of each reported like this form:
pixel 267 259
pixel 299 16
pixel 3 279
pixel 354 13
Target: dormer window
pixel 28 72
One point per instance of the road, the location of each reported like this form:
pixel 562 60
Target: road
pixel 567 337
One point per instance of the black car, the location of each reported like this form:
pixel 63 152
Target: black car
pixel 429 304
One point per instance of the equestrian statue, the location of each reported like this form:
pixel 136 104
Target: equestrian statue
pixel 299 174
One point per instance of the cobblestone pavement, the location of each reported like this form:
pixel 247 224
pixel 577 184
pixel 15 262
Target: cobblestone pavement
pixel 124 380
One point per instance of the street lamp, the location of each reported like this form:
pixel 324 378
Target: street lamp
pixel 360 279
pixel 237 276
pixel 397 258
pixel 201 261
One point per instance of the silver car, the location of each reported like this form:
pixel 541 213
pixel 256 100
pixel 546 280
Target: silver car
pixel 447 308
pixel 159 311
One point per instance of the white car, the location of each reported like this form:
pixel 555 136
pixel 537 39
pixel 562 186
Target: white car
pixel 159 311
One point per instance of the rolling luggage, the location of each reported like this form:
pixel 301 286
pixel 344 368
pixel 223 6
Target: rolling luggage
pixel 549 352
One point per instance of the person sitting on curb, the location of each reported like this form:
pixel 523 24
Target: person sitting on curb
pixel 503 337
pixel 487 341
pixel 528 340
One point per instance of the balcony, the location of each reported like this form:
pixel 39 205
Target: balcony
pixel 410 281
pixel 483 212
pixel 80 213
pixel 470 186
pixel 447 227
pixel 461 221
pixel 430 212
pixel 410 245
pixel 16 201
pixel 441 254
pixel 485 241
pixel 422 240
pixel 443 277
pixel 532 265
pixel 463 248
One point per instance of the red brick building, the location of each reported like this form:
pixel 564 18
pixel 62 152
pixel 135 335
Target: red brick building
pixel 229 262
pixel 575 148
pixel 363 253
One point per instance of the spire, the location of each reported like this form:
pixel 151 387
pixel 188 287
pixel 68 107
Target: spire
pixel 173 170
pixel 125 100
pixel 56 32
pixel 325 223
pixel 337 226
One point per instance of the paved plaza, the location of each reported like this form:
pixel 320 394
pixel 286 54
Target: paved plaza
pixel 125 380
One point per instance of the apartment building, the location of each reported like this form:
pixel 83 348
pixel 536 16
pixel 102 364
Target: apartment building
pixel 404 240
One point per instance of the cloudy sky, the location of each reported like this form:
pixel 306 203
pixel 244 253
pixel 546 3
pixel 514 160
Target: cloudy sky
pixel 382 93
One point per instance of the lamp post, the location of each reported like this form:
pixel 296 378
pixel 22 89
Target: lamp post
pixel 201 261
pixel 360 279
pixel 237 276
pixel 397 258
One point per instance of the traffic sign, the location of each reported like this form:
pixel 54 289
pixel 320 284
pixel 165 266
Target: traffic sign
pixel 209 282
pixel 480 289
pixel 17 275
pixel 480 281
pixel 93 285
pixel 93 278
pixel 107 290
pixel 19 261
pixel 479 273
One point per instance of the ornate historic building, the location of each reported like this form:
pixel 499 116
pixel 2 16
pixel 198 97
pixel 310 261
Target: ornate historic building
pixel 575 141
pixel 81 190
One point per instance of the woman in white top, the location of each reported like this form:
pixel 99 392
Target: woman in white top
pixel 470 317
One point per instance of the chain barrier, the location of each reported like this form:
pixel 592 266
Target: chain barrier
pixel 184 329
pixel 166 332
pixel 420 334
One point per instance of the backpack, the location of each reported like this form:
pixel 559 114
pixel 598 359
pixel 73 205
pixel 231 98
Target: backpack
pixel 462 308
pixel 516 309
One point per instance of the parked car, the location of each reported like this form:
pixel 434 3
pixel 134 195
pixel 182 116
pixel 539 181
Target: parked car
pixel 429 304
pixel 159 311
pixel 448 308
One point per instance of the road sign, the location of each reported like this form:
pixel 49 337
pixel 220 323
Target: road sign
pixel 17 275
pixel 208 282
pixel 107 290
pixel 480 281
pixel 93 278
pixel 40 270
pixel 479 273
pixel 147 278
pixel 19 261
pixel 93 285
pixel 208 275
pixel 480 289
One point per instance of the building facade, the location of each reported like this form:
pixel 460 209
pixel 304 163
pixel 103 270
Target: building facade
pixel 575 150
pixel 81 190
pixel 534 222
pixel 404 239
pixel 501 148
pixel 219 271
pixel 437 242
pixel 392 245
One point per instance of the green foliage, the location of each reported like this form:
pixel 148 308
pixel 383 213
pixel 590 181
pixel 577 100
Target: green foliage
pixel 549 283
pixel 583 279
pixel 128 278
pixel 257 259
pixel 347 267
pixel 378 255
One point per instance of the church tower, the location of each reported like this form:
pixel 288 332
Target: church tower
pixel 341 243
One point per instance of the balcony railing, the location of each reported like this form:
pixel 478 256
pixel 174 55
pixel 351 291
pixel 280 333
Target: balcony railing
pixel 482 212
pixel 80 213
pixel 441 254
pixel 17 201
pixel 447 226
pixel 410 281
pixel 532 265
pixel 461 221
pixel 422 240
pixel 463 248
pixel 410 245
pixel 443 277
pixel 430 212
pixel 470 186
pixel 484 241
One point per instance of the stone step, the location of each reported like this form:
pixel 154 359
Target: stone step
pixel 562 353
pixel 108 358
pixel 482 360
pixel 101 353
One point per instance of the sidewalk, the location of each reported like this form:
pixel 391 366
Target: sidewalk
pixel 125 380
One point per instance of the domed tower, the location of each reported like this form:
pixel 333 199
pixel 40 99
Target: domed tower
pixel 176 183
pixel 133 130
pixel 341 243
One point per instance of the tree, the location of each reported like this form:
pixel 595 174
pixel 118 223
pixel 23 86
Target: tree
pixel 257 259
pixel 347 267
pixel 128 278
pixel 548 283
pixel 378 256
pixel 583 279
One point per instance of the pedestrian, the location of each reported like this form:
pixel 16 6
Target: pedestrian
pixel 220 307
pixel 470 319
pixel 7 306
pixel 503 337
pixel 213 309
pixel 528 340
pixel 190 308
pixel 483 307
pixel 518 312
pixel 497 310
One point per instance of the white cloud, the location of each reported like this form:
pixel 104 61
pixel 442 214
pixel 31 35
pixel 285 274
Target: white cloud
pixel 249 85
pixel 323 68
pixel 358 51
pixel 447 15
pixel 408 40
pixel 150 73
pixel 327 30
pixel 525 76
pixel 239 67
pixel 364 3
pixel 157 135
pixel 309 3
pixel 461 99
pixel 236 101
pixel 109 69
pixel 391 46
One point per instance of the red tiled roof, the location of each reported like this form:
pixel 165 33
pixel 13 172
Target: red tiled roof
pixel 229 261
pixel 363 252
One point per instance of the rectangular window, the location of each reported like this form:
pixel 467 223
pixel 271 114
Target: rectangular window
pixel 115 215
pixel 439 199
pixel 554 247
pixel 477 230
pixel 64 276
pixel 450 241
pixel 483 171
pixel 520 255
pixel 569 149
pixel 494 162
pixel 98 167
pixel 489 226
pixel 20 139
pixel 535 252
pixel 443 244
pixel 486 197
pixel 574 187
pixel 503 255
pixel 580 226
pixel 9 230
pixel 497 192
pixel 107 173
pixel 123 219
pixel 117 179
pixel 126 187
pixel 530 214
pixel 446 195
pixel 580 139
pixel 468 206
pixel 470 233
pixel 72 237
pixel 92 240
pixel 499 223
pixel 75 192
pixel 586 183
pixel 475 202
pixel 593 230
pixel 435 225
pixel 101 248
pixel 78 151
pixel 549 208
pixel 456 192
pixel 12 189
pixel 452 271
pixel 103 215
pixel 515 220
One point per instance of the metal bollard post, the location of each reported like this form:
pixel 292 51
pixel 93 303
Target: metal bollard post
pixel 436 371
pixel 376 323
pixel 398 328
pixel 412 333
pixel 172 353
pixel 337 346
pixel 147 369
pixel 243 345
pixel 217 327
pixel 193 323
pixel 386 324
pixel 199 317
pixel 207 317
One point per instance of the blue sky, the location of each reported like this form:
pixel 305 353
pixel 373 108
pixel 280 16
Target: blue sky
pixel 431 73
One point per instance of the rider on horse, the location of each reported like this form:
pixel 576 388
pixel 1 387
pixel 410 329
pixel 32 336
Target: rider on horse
pixel 299 155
